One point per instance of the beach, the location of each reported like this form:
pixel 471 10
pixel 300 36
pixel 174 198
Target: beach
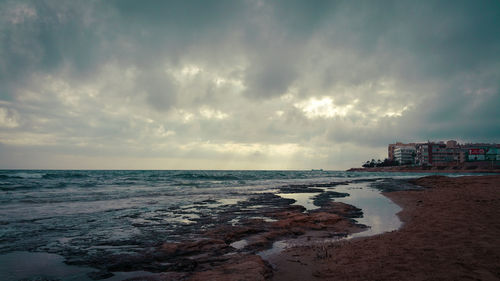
pixel 229 225
pixel 451 232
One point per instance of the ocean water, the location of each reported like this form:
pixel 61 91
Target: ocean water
pixel 79 215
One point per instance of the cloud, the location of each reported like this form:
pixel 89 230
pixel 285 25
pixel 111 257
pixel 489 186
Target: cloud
pixel 243 84
pixel 8 118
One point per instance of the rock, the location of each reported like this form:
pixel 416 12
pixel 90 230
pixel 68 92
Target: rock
pixel 128 262
pixel 166 276
pixel 230 234
pixel 341 209
pixel 212 258
pixel 40 278
pixel 326 197
pixel 300 189
pixel 325 218
pixel 302 221
pixel 265 240
pixel 241 267
pixel 183 265
pixel 193 247
pixel 98 275
pixel 331 184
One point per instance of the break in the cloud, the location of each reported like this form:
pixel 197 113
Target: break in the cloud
pixel 241 84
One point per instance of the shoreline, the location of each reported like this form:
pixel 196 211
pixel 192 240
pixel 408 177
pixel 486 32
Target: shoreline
pixel 323 243
pixel 243 252
pixel 450 231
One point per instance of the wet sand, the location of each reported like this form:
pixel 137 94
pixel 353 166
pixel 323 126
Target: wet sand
pixel 451 232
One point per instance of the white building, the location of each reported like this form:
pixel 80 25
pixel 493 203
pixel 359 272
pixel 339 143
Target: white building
pixel 405 155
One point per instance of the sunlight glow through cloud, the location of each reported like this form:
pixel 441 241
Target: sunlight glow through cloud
pixel 397 113
pixel 8 118
pixel 209 113
pixel 323 108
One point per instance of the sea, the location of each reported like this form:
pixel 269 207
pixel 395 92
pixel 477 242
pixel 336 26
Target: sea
pixel 53 221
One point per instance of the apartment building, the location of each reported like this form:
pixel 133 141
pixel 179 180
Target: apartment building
pixel 405 155
pixel 443 154
pixel 391 148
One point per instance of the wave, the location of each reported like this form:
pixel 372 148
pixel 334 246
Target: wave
pixel 38 175
pixel 32 186
pixel 88 184
pixel 21 175
pixel 4 177
pixel 196 176
pixel 17 187
pixel 64 176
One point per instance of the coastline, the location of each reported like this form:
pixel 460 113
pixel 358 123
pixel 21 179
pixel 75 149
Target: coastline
pixel 450 232
pixel 248 239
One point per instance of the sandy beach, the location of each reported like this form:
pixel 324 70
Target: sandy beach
pixel 451 232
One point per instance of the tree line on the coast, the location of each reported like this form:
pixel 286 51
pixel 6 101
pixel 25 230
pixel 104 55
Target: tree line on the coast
pixel 379 163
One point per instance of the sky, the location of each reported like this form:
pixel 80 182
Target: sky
pixel 247 84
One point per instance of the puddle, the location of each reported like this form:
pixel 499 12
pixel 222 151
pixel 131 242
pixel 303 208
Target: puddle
pixel 266 219
pixel 229 201
pixel 119 276
pixel 239 244
pixel 21 265
pixel 278 246
pixel 224 202
pixel 238 219
pixel 302 199
pixel 379 213
pixel 15 266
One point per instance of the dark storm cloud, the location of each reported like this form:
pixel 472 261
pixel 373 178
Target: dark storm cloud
pixel 40 36
pixel 208 78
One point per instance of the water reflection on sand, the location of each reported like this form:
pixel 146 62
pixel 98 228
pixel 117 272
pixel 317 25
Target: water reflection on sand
pixel 379 212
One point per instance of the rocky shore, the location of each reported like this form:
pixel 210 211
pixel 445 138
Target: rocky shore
pixel 236 251
pixel 230 247
pixel 451 232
